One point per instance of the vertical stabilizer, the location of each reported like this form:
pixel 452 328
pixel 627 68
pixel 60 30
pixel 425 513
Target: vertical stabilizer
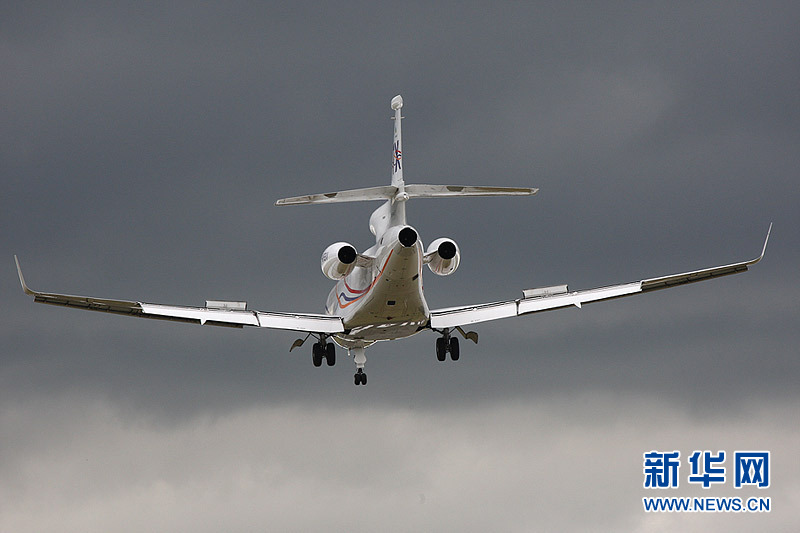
pixel 397 206
pixel 397 148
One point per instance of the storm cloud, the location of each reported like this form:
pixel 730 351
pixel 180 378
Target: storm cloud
pixel 143 148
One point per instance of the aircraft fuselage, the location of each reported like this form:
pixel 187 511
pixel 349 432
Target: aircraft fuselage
pixel 384 300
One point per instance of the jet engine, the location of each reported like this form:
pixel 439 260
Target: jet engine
pixel 443 256
pixel 338 260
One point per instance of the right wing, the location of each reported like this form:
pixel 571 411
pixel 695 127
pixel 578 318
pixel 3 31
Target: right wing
pixel 536 300
pixel 215 313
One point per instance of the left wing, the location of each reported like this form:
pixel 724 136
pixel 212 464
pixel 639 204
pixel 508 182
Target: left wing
pixel 536 300
pixel 215 313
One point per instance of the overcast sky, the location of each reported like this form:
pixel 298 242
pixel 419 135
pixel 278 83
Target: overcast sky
pixel 142 149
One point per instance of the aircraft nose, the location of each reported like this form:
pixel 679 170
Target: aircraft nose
pixel 407 236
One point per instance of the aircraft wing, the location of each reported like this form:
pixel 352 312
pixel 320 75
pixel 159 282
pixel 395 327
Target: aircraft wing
pixel 557 297
pixel 215 313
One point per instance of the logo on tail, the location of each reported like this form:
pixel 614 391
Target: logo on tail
pixel 397 155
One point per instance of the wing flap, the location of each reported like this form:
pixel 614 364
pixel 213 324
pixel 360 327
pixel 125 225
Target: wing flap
pixel 463 316
pixel 301 322
pixel 201 315
pixel 545 303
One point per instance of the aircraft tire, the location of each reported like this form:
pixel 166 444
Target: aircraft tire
pixel 441 349
pixel 330 354
pixel 316 354
pixel 454 349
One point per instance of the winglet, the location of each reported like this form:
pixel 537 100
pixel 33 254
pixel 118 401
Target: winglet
pixel 763 250
pixel 25 288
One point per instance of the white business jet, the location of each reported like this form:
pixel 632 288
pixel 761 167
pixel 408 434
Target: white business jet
pixel 378 293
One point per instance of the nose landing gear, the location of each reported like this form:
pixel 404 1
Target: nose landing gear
pixel 360 359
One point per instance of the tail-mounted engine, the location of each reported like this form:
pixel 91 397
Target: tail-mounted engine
pixel 443 256
pixel 338 260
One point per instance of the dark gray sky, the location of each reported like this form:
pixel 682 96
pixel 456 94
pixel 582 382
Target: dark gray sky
pixel 142 149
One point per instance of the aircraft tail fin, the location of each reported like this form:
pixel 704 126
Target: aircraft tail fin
pixel 397 143
pixel 398 191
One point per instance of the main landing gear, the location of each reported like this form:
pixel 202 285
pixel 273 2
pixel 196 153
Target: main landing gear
pixel 447 344
pixel 323 350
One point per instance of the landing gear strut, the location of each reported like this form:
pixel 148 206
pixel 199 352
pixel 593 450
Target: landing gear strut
pixel 360 359
pixel 447 344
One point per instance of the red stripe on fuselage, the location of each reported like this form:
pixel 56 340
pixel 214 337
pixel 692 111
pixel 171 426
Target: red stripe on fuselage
pixel 363 292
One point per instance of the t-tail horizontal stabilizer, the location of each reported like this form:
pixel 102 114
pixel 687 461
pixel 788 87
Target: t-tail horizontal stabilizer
pixel 389 192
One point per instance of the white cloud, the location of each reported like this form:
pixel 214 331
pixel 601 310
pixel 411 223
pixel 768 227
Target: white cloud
pixel 568 463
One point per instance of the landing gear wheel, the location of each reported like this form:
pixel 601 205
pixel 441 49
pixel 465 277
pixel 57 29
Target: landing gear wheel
pixel 360 378
pixel 441 348
pixel 454 350
pixel 316 354
pixel 330 354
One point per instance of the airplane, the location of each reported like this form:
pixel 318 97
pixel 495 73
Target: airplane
pixel 378 294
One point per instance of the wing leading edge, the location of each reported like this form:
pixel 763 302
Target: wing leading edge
pixel 213 314
pixel 536 300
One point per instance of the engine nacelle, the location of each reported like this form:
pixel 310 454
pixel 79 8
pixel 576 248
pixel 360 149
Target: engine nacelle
pixel 443 256
pixel 338 260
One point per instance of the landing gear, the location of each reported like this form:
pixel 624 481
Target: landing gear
pixel 360 377
pixel 323 350
pixel 445 344
pixel 360 359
